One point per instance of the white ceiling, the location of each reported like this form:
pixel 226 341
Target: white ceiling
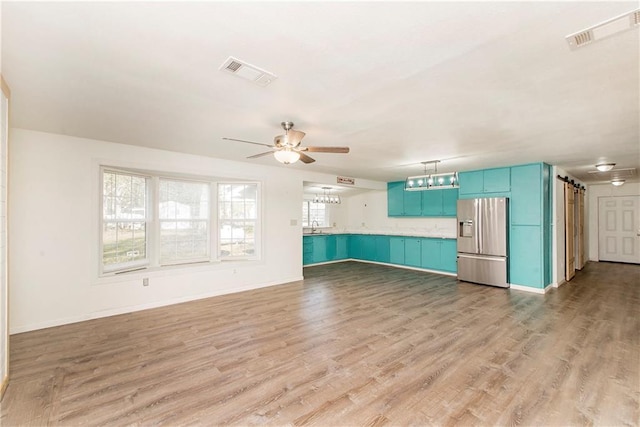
pixel 475 84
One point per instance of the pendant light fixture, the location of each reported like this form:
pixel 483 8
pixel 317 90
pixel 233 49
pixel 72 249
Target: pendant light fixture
pixel 617 182
pixel 326 197
pixel 431 181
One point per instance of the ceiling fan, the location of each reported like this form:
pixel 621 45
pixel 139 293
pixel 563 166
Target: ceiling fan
pixel 287 149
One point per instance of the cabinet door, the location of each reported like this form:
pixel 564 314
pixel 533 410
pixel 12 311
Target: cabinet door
pixel 355 246
pixel 412 252
pixel 319 248
pixel 525 257
pixel 368 246
pixel 432 202
pixel 449 202
pixel 497 180
pixel 526 195
pixel 396 250
pixel 307 250
pixel 342 247
pixel 471 182
pixel 412 203
pixel 449 255
pixel 430 254
pixel 331 248
pixel 382 249
pixel 395 198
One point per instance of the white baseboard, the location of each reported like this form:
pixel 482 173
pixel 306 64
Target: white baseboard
pixel 406 267
pixel 558 284
pixel 530 289
pixel 130 309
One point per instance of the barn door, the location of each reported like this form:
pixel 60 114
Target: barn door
pixel 619 229
pixel 580 243
pixel 569 221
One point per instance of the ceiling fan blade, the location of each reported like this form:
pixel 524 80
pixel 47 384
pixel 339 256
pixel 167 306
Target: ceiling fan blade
pixel 326 149
pixel 306 159
pixel 255 156
pixel 248 142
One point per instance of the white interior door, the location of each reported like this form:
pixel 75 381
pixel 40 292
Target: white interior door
pixel 619 229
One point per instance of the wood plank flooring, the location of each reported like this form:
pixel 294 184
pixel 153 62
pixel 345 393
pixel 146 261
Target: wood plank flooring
pixel 352 344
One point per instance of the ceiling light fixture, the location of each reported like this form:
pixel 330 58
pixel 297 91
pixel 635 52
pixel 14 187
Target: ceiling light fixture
pixel 605 167
pixel 286 156
pixel 617 182
pixel 431 181
pixel 326 197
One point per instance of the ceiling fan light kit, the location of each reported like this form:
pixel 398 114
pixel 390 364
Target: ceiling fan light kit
pixel 431 181
pixel 287 149
pixel 605 167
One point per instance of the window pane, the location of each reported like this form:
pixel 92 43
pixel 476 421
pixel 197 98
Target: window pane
pixel 184 220
pixel 238 210
pixel 124 227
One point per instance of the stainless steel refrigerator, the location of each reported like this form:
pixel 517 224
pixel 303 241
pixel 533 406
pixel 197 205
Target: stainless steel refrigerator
pixel 483 241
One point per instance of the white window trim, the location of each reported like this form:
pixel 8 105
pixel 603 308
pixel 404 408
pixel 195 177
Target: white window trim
pixel 153 254
pixel 258 227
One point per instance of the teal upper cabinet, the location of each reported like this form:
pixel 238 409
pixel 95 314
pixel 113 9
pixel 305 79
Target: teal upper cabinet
pixel 395 198
pixel 485 181
pixel 526 194
pixel 412 202
pixel 449 202
pixel 428 203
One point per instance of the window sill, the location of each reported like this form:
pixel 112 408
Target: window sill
pixel 174 269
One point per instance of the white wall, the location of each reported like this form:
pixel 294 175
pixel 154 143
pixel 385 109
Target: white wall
pixel 54 231
pixel 604 190
pixel 367 212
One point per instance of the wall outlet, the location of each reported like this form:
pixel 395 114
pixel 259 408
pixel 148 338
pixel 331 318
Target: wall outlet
pixel 145 281
pixel 294 222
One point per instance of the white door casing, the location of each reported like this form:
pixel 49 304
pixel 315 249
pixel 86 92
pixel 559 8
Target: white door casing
pixel 619 229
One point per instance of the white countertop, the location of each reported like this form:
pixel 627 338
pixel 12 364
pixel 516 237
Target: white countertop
pixel 435 234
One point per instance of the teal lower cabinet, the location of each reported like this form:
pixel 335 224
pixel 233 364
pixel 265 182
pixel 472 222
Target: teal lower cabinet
pixel 355 246
pixel 383 250
pixel 421 252
pixel 342 246
pixel 396 250
pixel 412 251
pixel 368 247
pixel 449 255
pixel 439 254
pixel 319 249
pixel 307 250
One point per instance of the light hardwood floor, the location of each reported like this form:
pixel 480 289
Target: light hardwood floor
pixel 352 344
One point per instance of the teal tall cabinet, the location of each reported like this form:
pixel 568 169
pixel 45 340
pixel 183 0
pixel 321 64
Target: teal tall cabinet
pixel 528 188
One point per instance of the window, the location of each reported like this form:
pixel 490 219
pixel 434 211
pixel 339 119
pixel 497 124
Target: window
pixel 149 220
pixel 183 210
pixel 124 220
pixel 238 215
pixel 314 212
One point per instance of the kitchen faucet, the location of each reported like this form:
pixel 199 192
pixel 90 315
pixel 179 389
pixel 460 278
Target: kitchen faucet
pixel 313 227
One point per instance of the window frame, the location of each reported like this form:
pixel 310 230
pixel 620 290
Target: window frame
pixel 131 265
pixel 257 230
pixel 153 261
pixel 307 223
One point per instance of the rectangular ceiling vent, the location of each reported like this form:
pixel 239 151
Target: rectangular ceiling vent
pixel 627 173
pixel 247 71
pixel 624 22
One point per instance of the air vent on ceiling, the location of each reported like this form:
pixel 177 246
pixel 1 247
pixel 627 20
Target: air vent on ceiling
pixel 247 71
pixel 628 173
pixel 624 22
